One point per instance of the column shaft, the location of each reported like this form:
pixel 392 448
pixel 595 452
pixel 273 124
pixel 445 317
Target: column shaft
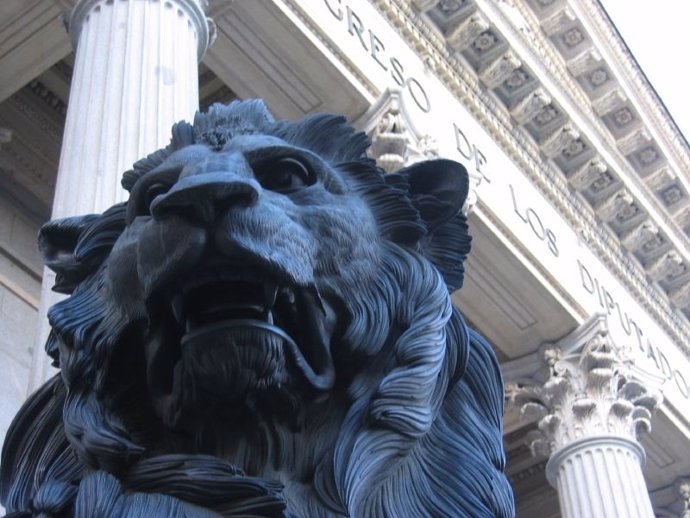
pixel 600 477
pixel 135 74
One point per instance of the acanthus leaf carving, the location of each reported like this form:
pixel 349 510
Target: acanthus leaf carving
pixel 588 390
pixel 394 143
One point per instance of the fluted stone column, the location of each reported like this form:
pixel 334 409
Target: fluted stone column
pixel 600 476
pixel 135 74
pixel 589 411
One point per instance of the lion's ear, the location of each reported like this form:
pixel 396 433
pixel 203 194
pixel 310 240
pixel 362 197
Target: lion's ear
pixel 57 241
pixel 438 190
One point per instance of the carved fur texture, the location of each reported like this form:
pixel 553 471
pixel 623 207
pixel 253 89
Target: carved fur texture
pixel 264 329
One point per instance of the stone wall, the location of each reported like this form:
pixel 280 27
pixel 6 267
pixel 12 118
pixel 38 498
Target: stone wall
pixel 20 285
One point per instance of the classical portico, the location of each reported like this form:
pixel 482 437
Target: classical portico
pixel 580 199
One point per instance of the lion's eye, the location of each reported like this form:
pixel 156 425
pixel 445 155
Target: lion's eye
pixel 284 175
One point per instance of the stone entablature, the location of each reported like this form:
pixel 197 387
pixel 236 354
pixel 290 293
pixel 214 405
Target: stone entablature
pixel 454 33
pixel 567 54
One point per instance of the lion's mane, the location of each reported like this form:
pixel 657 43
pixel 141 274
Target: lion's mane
pixel 421 434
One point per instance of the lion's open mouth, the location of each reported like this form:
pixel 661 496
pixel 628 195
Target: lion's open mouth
pixel 297 316
pixel 240 322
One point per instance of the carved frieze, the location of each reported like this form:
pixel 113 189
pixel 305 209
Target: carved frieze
pixel 525 95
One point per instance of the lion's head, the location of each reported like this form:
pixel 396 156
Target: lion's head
pixel 269 300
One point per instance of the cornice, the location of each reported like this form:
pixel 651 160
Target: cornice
pixel 655 109
pixel 546 175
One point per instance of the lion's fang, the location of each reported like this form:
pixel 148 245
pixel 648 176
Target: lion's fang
pixel 270 294
pixel 177 307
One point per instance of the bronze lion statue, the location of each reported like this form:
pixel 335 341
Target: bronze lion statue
pixel 263 329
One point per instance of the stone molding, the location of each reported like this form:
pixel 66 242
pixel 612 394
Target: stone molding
pixel 586 388
pixel 194 9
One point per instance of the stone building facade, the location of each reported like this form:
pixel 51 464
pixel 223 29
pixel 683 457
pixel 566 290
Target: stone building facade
pixel 580 205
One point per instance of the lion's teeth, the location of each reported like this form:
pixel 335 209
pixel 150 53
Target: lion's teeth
pixel 269 316
pixel 270 294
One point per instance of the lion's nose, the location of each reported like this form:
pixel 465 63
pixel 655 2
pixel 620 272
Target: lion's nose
pixel 203 192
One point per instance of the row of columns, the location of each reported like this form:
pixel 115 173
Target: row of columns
pixel 136 73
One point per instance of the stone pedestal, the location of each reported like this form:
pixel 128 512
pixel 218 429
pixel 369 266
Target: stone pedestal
pixel 135 74
pixel 600 477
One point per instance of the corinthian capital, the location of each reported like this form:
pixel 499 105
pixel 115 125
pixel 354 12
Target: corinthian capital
pixel 588 390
